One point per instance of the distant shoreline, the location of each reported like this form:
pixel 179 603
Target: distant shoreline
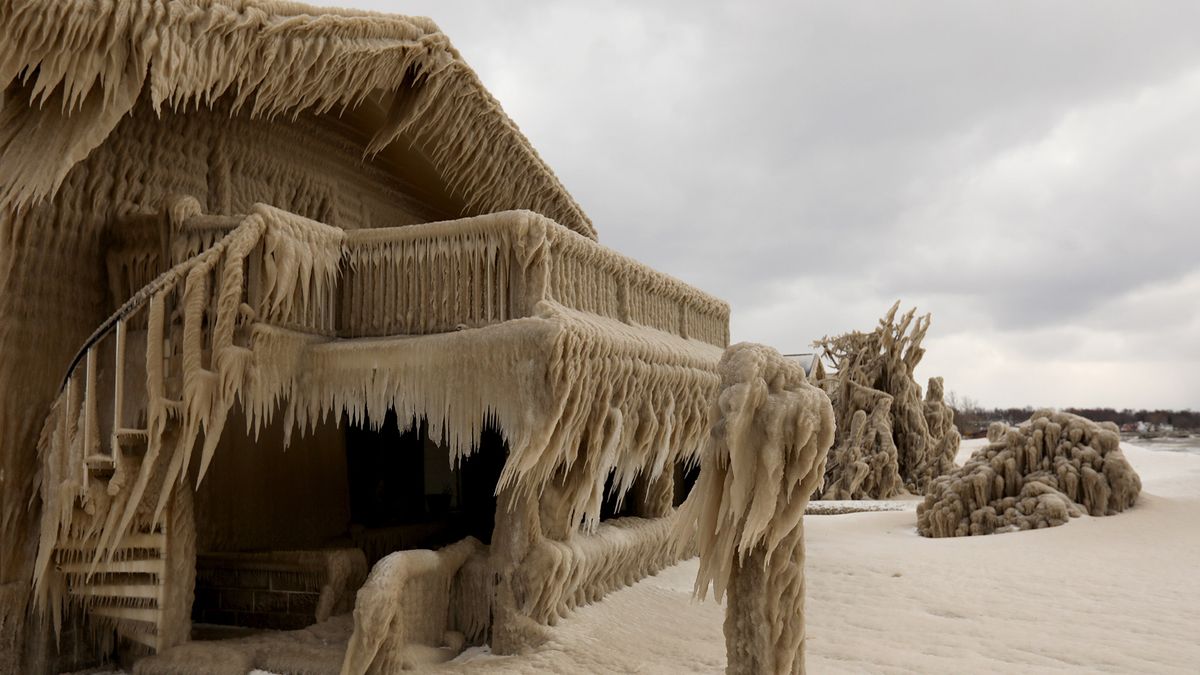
pixel 1165 442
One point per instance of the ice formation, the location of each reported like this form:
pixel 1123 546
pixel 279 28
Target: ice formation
pixel 1042 473
pixel 404 606
pixel 283 283
pixel 83 66
pixel 888 439
pixel 766 453
pixel 263 334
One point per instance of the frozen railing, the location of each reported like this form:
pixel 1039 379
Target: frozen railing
pixel 281 269
pixel 472 272
pixel 440 277
pixel 184 335
pixel 174 351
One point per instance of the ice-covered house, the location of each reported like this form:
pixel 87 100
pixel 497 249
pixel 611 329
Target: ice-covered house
pixel 283 291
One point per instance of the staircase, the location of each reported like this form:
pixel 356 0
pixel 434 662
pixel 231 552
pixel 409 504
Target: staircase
pixel 117 538
pixel 126 592
pixel 112 557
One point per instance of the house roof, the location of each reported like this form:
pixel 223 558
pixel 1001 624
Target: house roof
pixel 80 66
pixel 807 361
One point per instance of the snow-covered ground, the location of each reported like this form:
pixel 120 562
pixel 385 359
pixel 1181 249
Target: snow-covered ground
pixel 1097 595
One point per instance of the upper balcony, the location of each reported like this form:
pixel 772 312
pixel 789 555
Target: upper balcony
pixel 426 279
pixel 191 328
pixel 275 312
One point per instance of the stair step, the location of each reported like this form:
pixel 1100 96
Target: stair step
pixel 132 437
pixel 148 566
pixel 148 639
pixel 127 613
pixel 101 462
pixel 137 540
pixel 116 591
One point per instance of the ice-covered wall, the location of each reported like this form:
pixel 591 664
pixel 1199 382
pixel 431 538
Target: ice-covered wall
pixel 1042 473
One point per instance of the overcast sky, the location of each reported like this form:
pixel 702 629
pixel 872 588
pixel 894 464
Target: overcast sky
pixel 1029 172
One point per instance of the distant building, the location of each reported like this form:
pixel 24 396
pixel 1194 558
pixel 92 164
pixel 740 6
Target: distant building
pixel 812 364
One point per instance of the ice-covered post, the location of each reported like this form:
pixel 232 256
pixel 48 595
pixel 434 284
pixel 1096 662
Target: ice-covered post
pixel 770 433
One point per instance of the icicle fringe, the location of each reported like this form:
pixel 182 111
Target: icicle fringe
pixel 83 65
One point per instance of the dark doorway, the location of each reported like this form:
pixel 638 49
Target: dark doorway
pixel 405 494
pixel 386 472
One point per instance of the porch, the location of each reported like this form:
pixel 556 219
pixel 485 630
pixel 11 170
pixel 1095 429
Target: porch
pixel 595 370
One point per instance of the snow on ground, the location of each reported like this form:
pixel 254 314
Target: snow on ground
pixel 651 627
pixel 1097 595
pixel 837 507
pixel 1116 594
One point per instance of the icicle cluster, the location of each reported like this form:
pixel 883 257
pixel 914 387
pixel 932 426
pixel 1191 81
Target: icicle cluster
pixel 766 453
pixel 559 576
pixel 83 65
pixel 864 463
pixel 888 438
pixel 1051 468
pixel 939 417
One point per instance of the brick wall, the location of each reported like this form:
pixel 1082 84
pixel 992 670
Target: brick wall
pixel 255 591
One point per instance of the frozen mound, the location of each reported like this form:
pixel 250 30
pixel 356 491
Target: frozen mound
pixel 888 438
pixel 1051 468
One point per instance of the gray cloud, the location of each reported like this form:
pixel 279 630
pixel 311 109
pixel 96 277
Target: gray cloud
pixel 1027 171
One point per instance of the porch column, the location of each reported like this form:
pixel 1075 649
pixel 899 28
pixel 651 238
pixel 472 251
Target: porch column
pixel 179 580
pixel 517 531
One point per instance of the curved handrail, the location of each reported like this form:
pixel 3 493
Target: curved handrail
pixel 129 307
